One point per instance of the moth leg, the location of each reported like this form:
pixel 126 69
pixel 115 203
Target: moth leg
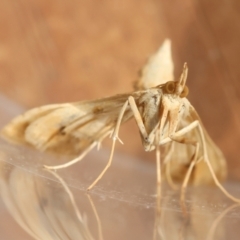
pixel 158 163
pixel 114 137
pixel 152 138
pixel 138 117
pixel 180 132
pixel 145 135
pixel 75 160
pixel 167 162
pixel 185 130
pixel 79 158
pixel 159 172
pixel 189 171
pixel 219 185
pixel 193 161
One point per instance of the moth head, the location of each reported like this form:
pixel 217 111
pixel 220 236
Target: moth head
pixel 178 87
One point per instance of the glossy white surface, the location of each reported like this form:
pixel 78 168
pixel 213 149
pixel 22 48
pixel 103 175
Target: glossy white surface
pixel 121 206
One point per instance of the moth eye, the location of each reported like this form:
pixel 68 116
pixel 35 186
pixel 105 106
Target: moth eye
pixel 185 92
pixel 170 87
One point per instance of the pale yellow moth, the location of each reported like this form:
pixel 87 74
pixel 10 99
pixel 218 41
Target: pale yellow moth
pixel 162 113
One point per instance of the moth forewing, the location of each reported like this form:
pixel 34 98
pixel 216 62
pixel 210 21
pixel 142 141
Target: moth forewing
pixel 15 130
pixel 66 128
pixel 158 68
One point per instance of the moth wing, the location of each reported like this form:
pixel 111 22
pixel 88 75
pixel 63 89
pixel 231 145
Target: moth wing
pixel 67 128
pixel 202 174
pixel 158 69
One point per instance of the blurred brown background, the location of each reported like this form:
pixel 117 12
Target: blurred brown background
pixel 64 51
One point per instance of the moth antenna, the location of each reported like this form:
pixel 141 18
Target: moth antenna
pixel 182 81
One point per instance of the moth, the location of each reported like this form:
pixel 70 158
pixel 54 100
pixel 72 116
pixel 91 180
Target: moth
pixel 162 113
